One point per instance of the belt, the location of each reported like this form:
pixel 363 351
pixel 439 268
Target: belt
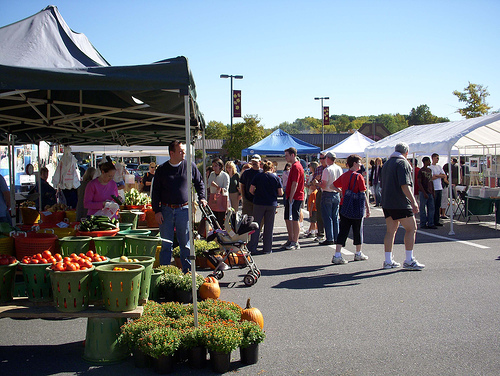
pixel 176 206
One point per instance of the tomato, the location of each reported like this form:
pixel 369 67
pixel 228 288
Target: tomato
pixel 83 268
pixel 59 267
pixel 66 259
pixel 58 257
pixel 90 253
pixel 70 267
pixel 81 255
pixel 73 255
pixel 38 256
pixel 46 254
pixel 87 264
pixel 43 261
pixel 34 261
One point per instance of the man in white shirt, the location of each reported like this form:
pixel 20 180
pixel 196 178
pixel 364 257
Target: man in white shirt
pixel 330 199
pixel 437 174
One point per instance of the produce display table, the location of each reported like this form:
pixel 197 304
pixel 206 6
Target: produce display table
pixel 21 307
pixel 103 326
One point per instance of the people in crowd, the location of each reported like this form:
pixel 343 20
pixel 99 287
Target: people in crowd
pixel 101 189
pixel 47 192
pixel 455 174
pixel 265 187
pixel 437 175
pixel 375 179
pixel 147 179
pixel 426 195
pixel 356 184
pixel 87 177
pixel 399 206
pixel 294 194
pixel 234 185
pixel 284 178
pixel 311 201
pixel 4 202
pixel 319 194
pixel 330 199
pixel 169 201
pixel 245 181
pixel 218 183
pixel 416 169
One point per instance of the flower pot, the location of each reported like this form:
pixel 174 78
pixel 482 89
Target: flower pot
pixel 201 262
pixel 250 354
pixel 184 296
pixel 141 359
pixel 164 364
pixel 197 357
pixel 220 362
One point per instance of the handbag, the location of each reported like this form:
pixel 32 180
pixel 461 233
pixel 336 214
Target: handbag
pixel 218 202
pixel 353 206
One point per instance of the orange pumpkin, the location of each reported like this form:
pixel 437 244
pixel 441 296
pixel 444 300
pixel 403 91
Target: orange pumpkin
pixel 210 289
pixel 237 258
pixel 252 314
pixel 211 265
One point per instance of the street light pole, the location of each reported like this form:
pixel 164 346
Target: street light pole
pixel 322 120
pixel 237 77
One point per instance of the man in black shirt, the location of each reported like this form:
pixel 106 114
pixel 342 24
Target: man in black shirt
pixel 169 200
pixel 245 181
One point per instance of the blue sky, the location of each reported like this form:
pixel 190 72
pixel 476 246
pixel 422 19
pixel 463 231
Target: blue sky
pixel 369 57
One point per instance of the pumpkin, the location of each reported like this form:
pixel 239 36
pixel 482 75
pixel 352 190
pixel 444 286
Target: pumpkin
pixel 210 289
pixel 211 265
pixel 252 314
pixel 237 258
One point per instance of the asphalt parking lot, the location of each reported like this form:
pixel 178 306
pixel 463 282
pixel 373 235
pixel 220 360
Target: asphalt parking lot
pixel 325 319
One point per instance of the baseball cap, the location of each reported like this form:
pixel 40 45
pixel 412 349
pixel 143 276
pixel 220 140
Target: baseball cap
pixel 255 157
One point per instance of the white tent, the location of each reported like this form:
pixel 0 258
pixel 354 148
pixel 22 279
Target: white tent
pixel 122 151
pixel 354 144
pixel 472 136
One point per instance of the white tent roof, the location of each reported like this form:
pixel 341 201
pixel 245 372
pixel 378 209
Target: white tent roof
pixel 471 136
pixel 354 144
pixel 122 151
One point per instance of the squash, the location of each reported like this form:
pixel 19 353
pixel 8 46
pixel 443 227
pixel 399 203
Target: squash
pixel 252 314
pixel 210 289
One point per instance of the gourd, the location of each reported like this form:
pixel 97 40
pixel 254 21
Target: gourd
pixel 210 289
pixel 252 314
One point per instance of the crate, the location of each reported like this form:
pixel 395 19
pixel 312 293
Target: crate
pixel 71 289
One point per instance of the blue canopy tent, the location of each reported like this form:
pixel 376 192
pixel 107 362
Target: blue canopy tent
pixel 277 142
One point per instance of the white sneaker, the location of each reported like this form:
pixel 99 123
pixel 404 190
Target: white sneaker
pixel 413 265
pixel 292 245
pixel 339 260
pixel 360 257
pixel 392 264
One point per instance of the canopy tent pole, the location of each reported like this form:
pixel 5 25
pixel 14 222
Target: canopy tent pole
pixel 39 179
pixel 204 157
pixel 192 257
pixel 12 177
pixel 450 194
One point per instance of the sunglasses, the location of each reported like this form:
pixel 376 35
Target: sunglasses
pixel 322 157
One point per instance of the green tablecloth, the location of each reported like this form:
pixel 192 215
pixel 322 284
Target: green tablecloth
pixel 483 206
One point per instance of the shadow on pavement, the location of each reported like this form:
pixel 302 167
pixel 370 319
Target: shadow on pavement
pixel 333 279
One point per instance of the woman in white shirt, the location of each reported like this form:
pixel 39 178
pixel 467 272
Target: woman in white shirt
pixel 218 182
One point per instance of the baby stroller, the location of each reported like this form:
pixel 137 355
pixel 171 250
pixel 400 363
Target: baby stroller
pixel 233 241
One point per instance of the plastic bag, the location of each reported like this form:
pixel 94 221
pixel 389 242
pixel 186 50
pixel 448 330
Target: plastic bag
pixel 110 210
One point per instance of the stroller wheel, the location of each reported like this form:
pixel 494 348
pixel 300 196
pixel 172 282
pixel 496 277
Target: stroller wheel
pixel 257 272
pixel 249 279
pixel 219 274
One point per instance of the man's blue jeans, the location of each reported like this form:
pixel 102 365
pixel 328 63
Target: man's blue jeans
pixel 330 212
pixel 426 210
pixel 175 219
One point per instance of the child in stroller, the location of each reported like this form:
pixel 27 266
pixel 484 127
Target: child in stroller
pixel 232 241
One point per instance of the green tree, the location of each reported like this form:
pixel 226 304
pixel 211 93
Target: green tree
pixel 474 96
pixel 245 134
pixel 216 130
pixel 423 115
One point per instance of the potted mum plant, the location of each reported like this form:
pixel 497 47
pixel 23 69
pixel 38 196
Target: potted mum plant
pixel 169 282
pixel 193 340
pixel 184 290
pixel 160 343
pixel 221 338
pixel 252 335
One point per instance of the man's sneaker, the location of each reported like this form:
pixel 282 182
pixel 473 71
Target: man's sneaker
pixel 327 242
pixel 413 265
pixel 292 245
pixel 319 239
pixel 287 244
pixel 392 264
pixel 339 260
pixel 297 246
pixel 360 257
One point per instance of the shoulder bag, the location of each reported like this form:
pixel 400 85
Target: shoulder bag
pixel 353 206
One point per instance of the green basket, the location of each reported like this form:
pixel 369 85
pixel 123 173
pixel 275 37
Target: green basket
pixel 7 281
pixel 120 289
pixel 141 245
pixel 101 342
pixel 95 290
pixel 147 262
pixel 109 246
pixel 128 216
pixel 37 282
pixel 74 244
pixel 154 287
pixel 71 289
pixel 125 226
pixel 134 232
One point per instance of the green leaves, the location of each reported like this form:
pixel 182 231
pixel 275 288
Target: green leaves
pixel 474 96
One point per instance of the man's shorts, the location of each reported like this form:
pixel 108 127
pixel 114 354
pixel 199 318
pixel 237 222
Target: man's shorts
pixel 396 214
pixel 295 210
pixel 313 218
